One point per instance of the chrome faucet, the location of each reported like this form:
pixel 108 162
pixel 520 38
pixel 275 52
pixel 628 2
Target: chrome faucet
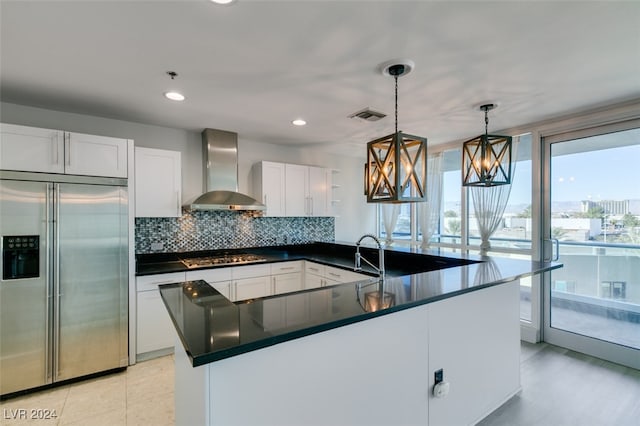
pixel 380 268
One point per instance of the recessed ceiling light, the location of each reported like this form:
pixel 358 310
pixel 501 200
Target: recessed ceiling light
pixel 174 96
pixel 298 122
pixel 222 1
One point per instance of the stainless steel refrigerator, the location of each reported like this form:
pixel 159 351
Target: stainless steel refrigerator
pixel 63 293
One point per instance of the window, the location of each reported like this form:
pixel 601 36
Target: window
pixel 514 231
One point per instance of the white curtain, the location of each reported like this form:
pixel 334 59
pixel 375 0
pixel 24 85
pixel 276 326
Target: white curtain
pixel 390 213
pixel 489 204
pixel 429 211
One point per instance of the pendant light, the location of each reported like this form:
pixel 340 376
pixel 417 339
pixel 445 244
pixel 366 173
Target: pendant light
pixel 396 168
pixel 486 159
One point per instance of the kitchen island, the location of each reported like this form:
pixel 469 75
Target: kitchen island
pixel 366 352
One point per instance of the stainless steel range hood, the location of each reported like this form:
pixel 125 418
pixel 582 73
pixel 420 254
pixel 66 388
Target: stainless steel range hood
pixel 220 155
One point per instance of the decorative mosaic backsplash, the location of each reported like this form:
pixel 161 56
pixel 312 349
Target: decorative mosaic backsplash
pixel 210 230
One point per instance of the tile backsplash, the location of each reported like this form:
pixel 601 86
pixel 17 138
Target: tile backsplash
pixel 210 230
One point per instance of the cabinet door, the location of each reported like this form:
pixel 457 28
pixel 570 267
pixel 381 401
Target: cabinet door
pixel 92 155
pixel 296 190
pixel 31 149
pixel 158 183
pixel 154 327
pixel 251 288
pixel 313 281
pixel 287 283
pixel 271 188
pixel 319 191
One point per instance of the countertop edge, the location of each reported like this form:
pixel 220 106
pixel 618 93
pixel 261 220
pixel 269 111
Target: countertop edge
pixel 240 349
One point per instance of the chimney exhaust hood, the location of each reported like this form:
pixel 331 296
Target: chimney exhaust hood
pixel 220 171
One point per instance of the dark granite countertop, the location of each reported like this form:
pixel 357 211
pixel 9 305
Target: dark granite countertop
pixel 212 328
pixel 398 261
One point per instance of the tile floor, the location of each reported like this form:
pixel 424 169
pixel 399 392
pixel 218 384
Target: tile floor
pixel 141 395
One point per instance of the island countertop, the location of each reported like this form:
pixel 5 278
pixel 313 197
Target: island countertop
pixel 212 328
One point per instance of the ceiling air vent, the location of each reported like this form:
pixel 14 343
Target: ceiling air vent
pixel 368 115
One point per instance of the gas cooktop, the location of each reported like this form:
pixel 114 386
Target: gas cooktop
pixel 223 259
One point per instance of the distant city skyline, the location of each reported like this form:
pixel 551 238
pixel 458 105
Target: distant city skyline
pixel 611 174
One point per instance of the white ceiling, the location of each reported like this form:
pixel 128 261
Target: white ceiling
pixel 254 66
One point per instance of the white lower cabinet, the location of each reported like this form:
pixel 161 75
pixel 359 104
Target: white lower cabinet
pixel 317 275
pixel 219 278
pixel 250 282
pixel 237 283
pixel 342 275
pixel 313 281
pixel 287 283
pixel 154 330
pixel 286 277
pixel 251 288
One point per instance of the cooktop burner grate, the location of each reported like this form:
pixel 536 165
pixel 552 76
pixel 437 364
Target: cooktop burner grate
pixel 225 259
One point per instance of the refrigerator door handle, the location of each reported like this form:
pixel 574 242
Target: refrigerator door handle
pixel 48 271
pixel 56 282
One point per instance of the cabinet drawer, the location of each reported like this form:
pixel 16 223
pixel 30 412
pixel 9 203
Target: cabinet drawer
pixel 314 268
pixel 210 275
pixel 286 267
pixel 250 271
pixel 151 282
pixel 342 275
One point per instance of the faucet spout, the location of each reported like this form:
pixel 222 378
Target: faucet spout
pixel 380 268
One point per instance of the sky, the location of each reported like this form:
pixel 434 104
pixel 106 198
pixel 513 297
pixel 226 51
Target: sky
pixel 611 174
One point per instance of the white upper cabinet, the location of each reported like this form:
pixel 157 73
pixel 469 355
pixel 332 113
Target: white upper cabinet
pixel 292 189
pixel 296 190
pixel 308 190
pixel 319 191
pixel 268 187
pixel 158 183
pixel 95 155
pixel 31 149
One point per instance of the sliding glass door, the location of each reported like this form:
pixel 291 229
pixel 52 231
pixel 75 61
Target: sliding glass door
pixel 591 222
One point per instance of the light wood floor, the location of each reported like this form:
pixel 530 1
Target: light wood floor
pixel 559 387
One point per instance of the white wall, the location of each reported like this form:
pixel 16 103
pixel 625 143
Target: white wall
pixel 356 217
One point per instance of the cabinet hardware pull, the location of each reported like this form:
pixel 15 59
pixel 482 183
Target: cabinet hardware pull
pixel 334 275
pixel 67 149
pixel 55 144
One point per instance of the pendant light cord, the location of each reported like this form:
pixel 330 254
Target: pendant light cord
pixel 486 121
pixel 395 77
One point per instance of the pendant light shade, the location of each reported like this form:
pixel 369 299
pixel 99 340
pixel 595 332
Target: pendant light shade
pixel 486 159
pixel 396 167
